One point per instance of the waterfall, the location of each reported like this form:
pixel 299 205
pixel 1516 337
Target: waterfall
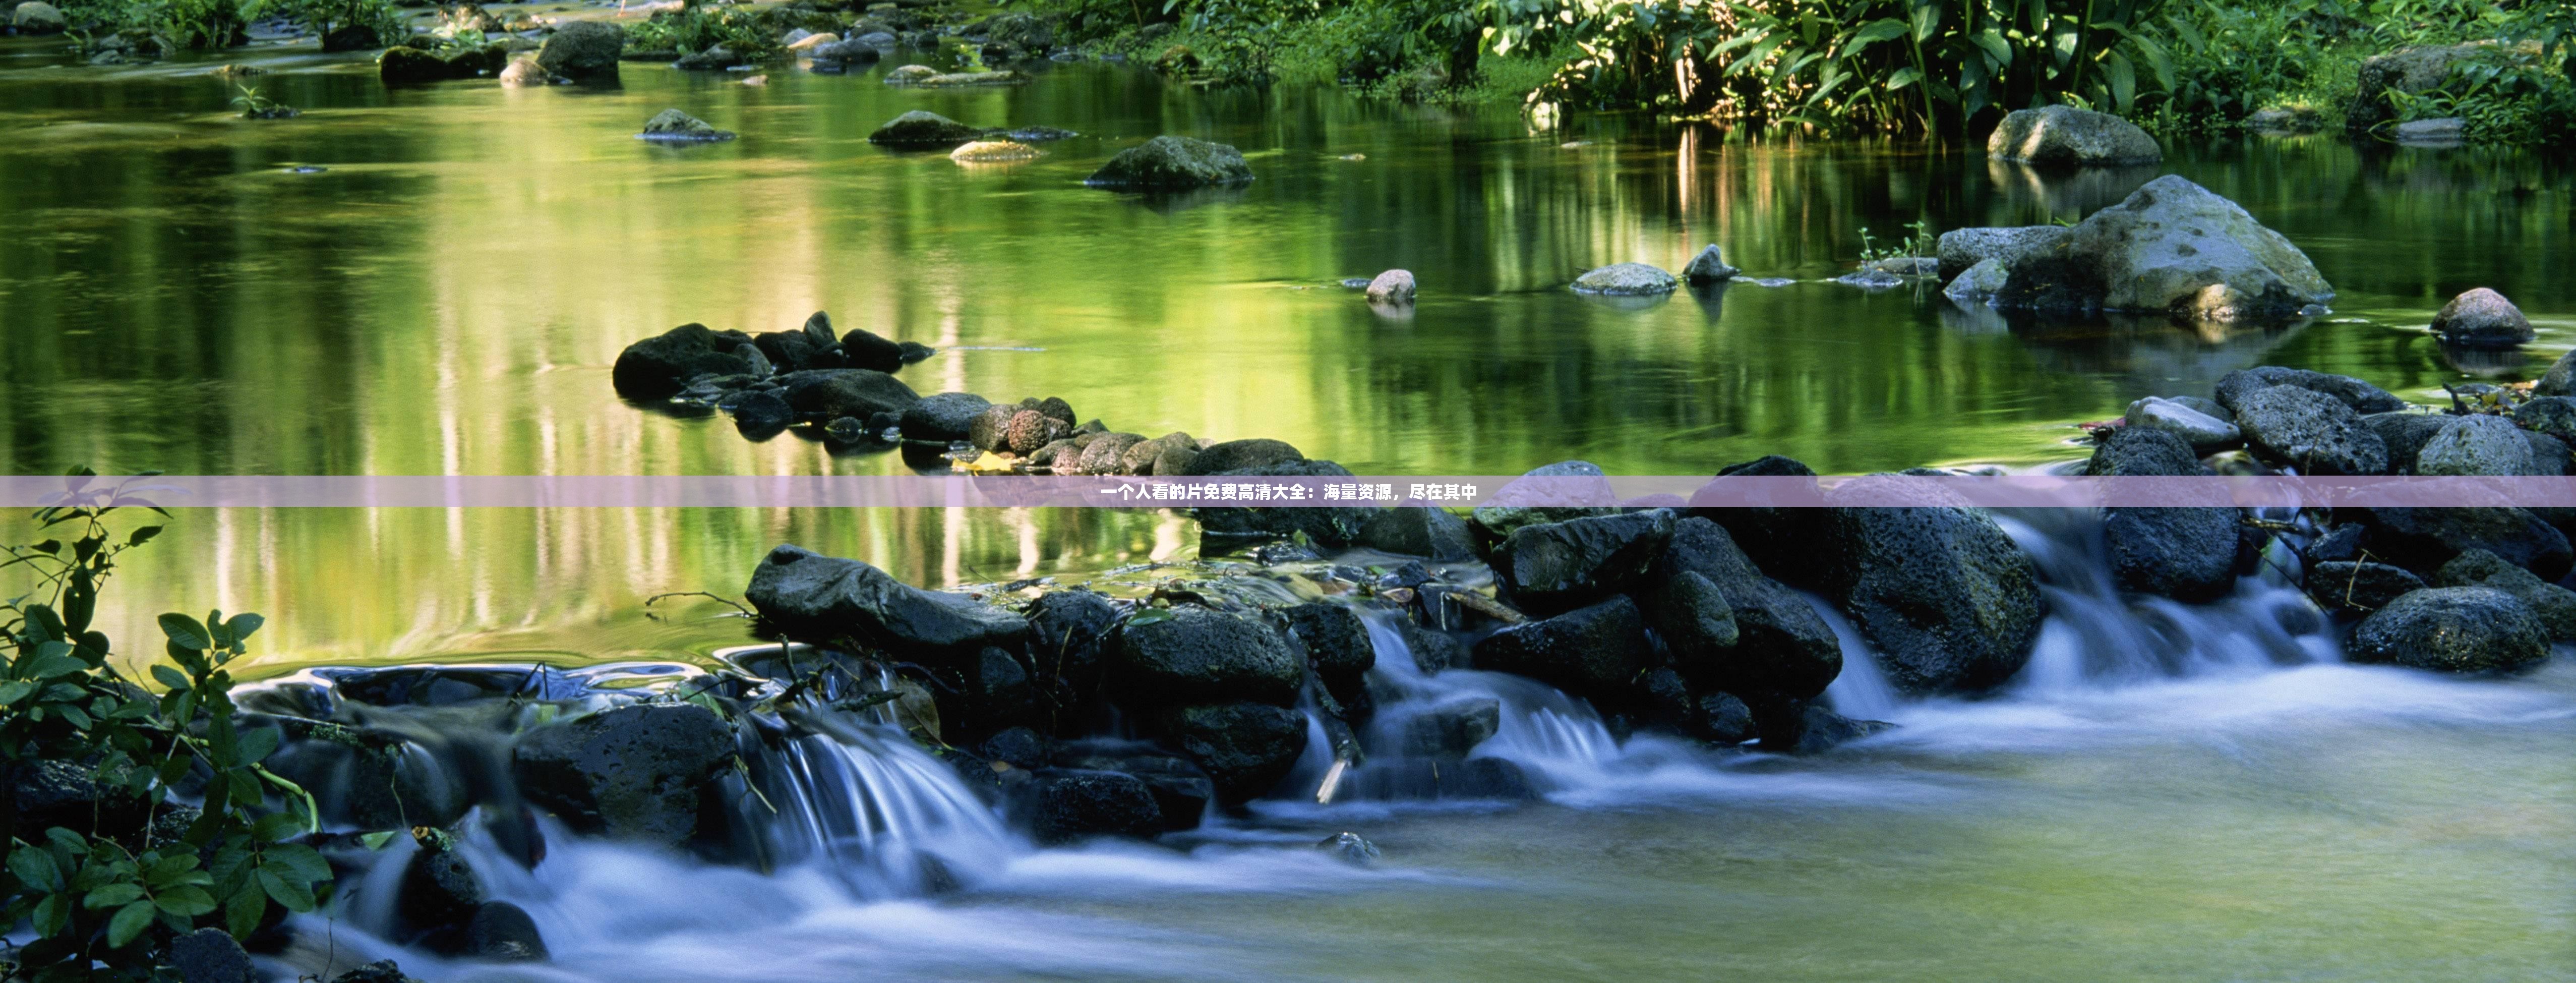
pixel 879 813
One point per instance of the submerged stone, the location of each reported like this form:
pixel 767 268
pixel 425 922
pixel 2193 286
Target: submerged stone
pixel 1626 280
pixel 923 129
pixel 2065 135
pixel 1169 163
pixel 676 126
pixel 2482 318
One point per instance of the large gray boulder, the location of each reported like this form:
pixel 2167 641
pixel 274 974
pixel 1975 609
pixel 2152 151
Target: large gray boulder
pixel 2408 71
pixel 2405 434
pixel 1195 656
pixel 2453 629
pixel 2310 431
pixel 1552 567
pixel 2560 380
pixel 2067 136
pixel 1245 748
pixel 2172 247
pixel 2476 444
pixel 2482 318
pixel 583 49
pixel 1173 163
pixel 1781 645
pixel 818 598
pixel 923 129
pixel 38 17
pixel 634 773
pixel 1591 652
pixel 1963 248
pixel 2361 396
pixel 1626 280
pixel 1949 600
pixel 2554 605
pixel 1337 645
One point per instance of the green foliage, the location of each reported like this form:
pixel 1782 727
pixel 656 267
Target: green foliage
pixel 105 895
pixel 747 31
pixel 325 16
pixel 1923 242
pixel 2499 98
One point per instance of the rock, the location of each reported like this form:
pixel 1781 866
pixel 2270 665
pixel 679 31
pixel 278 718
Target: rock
pixel 991 429
pixel 1350 848
pixel 207 955
pixel 1951 603
pixel 2142 452
pixel 1142 456
pixel 1708 267
pixel 2310 431
pixel 2172 247
pixel 1242 455
pixel 1694 620
pixel 2554 416
pixel 2203 433
pixel 952 80
pixel 583 49
pixel 762 413
pixel 1066 805
pixel 1105 454
pixel 994 152
pixel 2405 434
pixel 35 17
pixel 633 773
pixel 1782 646
pixel 716 58
pixel 1626 280
pixel 1391 287
pixel 2410 71
pixel 1018 747
pixel 2453 629
pixel 2185 553
pixel 1452 729
pixel 380 971
pixel 1192 655
pixel 2361 396
pixel 525 72
pixel 943 417
pixel 824 394
pixel 501 932
pixel 1030 430
pixel 2285 120
pixel 439 889
pixel 674 126
pixel 1069 634
pixel 863 349
pixel 2007 245
pixel 910 75
pixel 1245 748
pixel 1812 729
pixel 2476 444
pixel 351 37
pixel 2358 586
pixel 1590 652
pixel 923 129
pixel 1871 279
pixel 1172 163
pixel 851 51
pixel 807 41
pixel 2423 539
pixel 818 598
pixel 658 367
pixel 1174 457
pixel 1337 646
pixel 1978 284
pixel 2482 318
pixel 1424 531
pixel 368 777
pixel 2555 606
pixel 2447 131
pixel 1554 567
pixel 2067 136
pixel 2549 455
pixel 2560 380
pixel 408 66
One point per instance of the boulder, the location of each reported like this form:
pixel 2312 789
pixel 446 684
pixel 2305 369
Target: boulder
pixel 2185 553
pixel 2310 431
pixel 817 598
pixel 525 72
pixel 380 971
pixel 1693 618
pixel 2554 416
pixel 994 152
pixel 2453 629
pixel 1066 805
pixel 1782 646
pixel 37 17
pixel 1425 531
pixel 2410 71
pixel 827 394
pixel 1709 267
pixel 1242 455
pixel 1553 567
pixel 1105 454
pixel 2172 247
pixel 863 349
pixel 2476 444
pixel 501 932
pixel 1194 656
pixel 2142 452
pixel 1949 600
pixel 2204 433
pixel 2482 318
pixel 412 66
pixel 1245 748
pixel 2358 586
pixel 1337 646
pixel 2067 136
pixel 1029 430
pixel 368 777
pixel 943 417
pixel 674 126
pixel 1807 728
pixel 1626 280
pixel 1964 248
pixel 715 58
pixel 2423 539
pixel 2361 396
pixel 1590 652
pixel 2555 606
pixel 991 429
pixel 1069 635
pixel 1978 284
pixel 910 75
pixel 1144 457
pixel 660 366
pixel 1391 287
pixel 583 49
pixel 1173 163
pixel 923 129
pixel 207 955
pixel 2560 380
pixel 633 773
pixel 2405 434
pixel 833 54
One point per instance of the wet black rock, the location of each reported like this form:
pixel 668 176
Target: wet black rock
pixel 2311 431
pixel 634 773
pixel 1172 163
pixel 2453 629
pixel 2361 397
pixel 2143 452
pixel 863 349
pixel 1693 618
pixel 1423 531
pixel 2185 553
pixel 1558 566
pixel 1723 719
pixel 1192 655
pixel 1812 729
pixel 1329 528
pixel 439 888
pixel 761 414
pixel 660 366
pixel 1068 632
pixel 2405 434
pixel 829 393
pixel 990 430
pixel 1246 748
pixel 1000 694
pixel 413 66
pixel 2358 586
pixel 380 971
pixel 811 596
pixel 1432 650
pixel 1019 747
pixel 208 955
pixel 1591 652
pixel 1782 645
pixel 501 932
pixel 1337 646
pixel 1452 729
pixel 1240 455
pixel 2555 606
pixel 367 777
pixel 1950 601
pixel 943 417
pixel 1066 805
pixel 2423 539
pixel 2341 542
pixel 583 49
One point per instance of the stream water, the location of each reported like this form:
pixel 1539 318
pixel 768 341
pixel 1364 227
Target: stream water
pixel 2166 793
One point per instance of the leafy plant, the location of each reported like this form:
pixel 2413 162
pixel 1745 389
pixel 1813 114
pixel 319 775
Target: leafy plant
pixel 253 105
pixel 106 891
pixel 1923 242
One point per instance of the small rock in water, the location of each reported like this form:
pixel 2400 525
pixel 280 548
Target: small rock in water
pixel 812 41
pixel 1353 157
pixel 1708 267
pixel 2482 318
pixel 1033 134
pixel 756 80
pixel 2203 431
pixel 994 152
pixel 676 126
pixel 1978 283
pixel 1356 283
pixel 1349 847
pixel 2444 132
pixel 1871 279
pixel 910 75
pixel 2065 135
pixel 1391 287
pixel 1574 144
pixel 306 169
pixel 923 129
pixel 1626 279
pixel 1172 163
pixel 525 72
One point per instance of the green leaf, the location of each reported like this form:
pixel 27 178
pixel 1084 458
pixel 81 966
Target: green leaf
pixel 242 625
pixel 379 839
pixel 169 677
pixel 276 827
pixel 186 633
pixel 1998 51
pixel 112 895
pixel 258 744
pixel 1927 21
pixel 51 660
pixel 52 915
pixel 12 692
pixel 35 868
pixel 186 902
pixel 130 921
pixel 1883 29
pixel 243 911
pixel 302 863
pixel 143 535
pixel 1903 77
pixel 295 896
pixel 2124 80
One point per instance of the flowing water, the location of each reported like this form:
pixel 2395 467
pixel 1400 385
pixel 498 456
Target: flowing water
pixel 2168 792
